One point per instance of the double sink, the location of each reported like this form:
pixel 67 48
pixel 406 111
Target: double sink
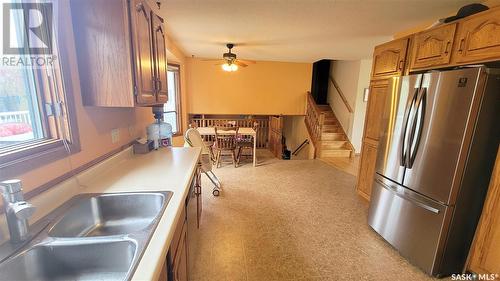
pixel 90 237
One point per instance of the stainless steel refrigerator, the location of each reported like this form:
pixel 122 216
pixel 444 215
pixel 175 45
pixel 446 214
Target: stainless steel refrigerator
pixel 437 148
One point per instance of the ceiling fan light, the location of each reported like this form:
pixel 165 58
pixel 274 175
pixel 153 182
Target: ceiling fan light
pixel 226 67
pixel 234 67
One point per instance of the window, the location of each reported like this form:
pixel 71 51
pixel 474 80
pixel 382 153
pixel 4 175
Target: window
pixel 20 113
pixel 35 122
pixel 171 110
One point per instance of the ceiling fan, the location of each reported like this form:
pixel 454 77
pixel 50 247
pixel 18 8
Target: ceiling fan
pixel 229 62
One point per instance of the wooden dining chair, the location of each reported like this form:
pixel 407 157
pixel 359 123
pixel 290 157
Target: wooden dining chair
pixel 225 141
pixel 246 142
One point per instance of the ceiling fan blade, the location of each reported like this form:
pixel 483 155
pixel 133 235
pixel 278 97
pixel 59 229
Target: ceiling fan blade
pixel 239 63
pixel 247 61
pixel 212 60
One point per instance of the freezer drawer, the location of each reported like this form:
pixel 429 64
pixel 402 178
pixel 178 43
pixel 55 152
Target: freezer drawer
pixel 410 222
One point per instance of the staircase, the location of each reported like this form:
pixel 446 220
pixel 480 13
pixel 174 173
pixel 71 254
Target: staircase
pixel 333 141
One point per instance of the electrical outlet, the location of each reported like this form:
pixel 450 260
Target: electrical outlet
pixel 131 130
pixel 115 135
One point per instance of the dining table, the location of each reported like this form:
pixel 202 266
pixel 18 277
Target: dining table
pixel 243 131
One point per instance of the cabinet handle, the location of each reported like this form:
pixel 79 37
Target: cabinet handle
pixel 461 46
pixel 159 84
pixel 447 46
pixel 401 63
pixel 140 8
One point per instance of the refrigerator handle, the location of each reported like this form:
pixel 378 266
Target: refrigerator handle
pixel 400 194
pixel 404 149
pixel 418 124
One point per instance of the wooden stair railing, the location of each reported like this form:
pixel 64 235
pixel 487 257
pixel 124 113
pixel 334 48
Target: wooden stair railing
pixel 341 94
pixel 325 131
pixel 315 119
pixel 344 100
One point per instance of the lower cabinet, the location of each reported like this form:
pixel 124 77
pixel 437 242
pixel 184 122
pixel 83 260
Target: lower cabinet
pixel 177 267
pixel 367 168
pixel 180 260
pixel 182 247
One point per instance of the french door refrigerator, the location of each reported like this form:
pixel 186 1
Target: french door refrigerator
pixel 437 148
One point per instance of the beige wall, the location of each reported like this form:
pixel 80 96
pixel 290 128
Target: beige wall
pixel 295 132
pixel 352 77
pixel 262 88
pixel 346 73
pixel 95 123
pixel 358 124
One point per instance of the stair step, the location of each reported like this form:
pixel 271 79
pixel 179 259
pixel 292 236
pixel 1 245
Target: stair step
pixel 326 145
pixel 336 153
pixel 331 131
pixel 332 136
pixel 330 127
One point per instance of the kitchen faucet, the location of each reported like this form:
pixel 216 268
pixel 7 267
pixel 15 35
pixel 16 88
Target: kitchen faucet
pixel 16 210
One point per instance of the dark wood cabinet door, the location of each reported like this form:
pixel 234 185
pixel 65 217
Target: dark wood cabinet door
pixel 160 60
pixel 198 195
pixel 143 48
pixel 103 52
pixel 433 47
pixel 389 59
pixel 180 267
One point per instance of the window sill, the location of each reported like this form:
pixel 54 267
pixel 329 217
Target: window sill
pixel 35 155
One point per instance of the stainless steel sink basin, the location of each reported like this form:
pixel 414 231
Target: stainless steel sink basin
pixel 90 237
pixel 109 214
pixel 80 261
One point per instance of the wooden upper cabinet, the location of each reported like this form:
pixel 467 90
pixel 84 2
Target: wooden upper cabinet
pixel 433 47
pixel 121 57
pixel 144 57
pixel 103 52
pixel 478 38
pixel 389 59
pixel 160 60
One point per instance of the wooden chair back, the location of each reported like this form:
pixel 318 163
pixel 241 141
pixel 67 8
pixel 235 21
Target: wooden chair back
pixel 255 126
pixel 226 138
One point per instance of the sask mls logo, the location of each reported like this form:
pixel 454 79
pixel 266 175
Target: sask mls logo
pixel 27 28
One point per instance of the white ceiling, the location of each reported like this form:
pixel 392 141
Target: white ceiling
pixel 295 30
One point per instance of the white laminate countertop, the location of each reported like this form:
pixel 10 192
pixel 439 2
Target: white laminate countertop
pixel 168 169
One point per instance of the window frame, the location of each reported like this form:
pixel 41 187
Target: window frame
pixel 60 130
pixel 178 107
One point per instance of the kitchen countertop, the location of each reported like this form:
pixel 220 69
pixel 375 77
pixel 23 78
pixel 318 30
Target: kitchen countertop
pixel 168 169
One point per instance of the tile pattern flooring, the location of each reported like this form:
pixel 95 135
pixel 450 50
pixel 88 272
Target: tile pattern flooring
pixel 290 220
